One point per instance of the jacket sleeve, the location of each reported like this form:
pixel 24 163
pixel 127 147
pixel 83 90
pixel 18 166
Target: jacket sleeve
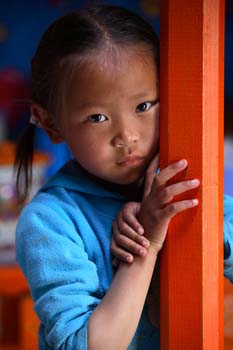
pixel 228 237
pixel 63 281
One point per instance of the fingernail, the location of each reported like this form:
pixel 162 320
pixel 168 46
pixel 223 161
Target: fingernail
pixel 142 252
pixel 129 258
pixel 183 162
pixel 195 182
pixel 145 243
pixel 195 202
pixel 140 230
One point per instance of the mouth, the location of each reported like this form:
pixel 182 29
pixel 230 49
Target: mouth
pixel 130 161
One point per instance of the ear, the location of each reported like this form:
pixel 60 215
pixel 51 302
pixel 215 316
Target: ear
pixel 46 121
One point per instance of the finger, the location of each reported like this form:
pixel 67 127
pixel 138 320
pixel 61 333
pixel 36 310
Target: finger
pixel 129 216
pixel 128 225
pixel 120 253
pixel 148 183
pixel 150 173
pixel 154 164
pixel 167 194
pixel 177 207
pixel 168 173
pixel 131 245
pixel 121 229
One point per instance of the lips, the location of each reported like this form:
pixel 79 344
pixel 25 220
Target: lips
pixel 130 161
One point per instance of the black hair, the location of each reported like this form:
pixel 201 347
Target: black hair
pixel 67 41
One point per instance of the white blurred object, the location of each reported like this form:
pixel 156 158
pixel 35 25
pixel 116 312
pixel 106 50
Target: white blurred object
pixel 9 205
pixel 228 166
pixel 228 152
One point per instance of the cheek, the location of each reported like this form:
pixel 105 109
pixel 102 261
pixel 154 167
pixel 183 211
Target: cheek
pixel 157 132
pixel 90 148
pixel 152 132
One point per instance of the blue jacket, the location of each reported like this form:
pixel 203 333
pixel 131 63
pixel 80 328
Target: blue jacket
pixel 63 247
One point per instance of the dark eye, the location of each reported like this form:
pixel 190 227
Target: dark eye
pixel 97 118
pixel 143 107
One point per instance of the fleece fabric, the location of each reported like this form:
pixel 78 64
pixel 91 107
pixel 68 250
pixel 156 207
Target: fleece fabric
pixel 63 247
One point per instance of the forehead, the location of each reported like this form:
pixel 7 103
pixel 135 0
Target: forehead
pixel 116 74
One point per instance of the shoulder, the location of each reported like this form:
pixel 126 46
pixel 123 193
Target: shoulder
pixel 50 216
pixel 228 207
pixel 228 237
pixel 53 199
pixel 46 228
pixel 228 221
pixel 56 202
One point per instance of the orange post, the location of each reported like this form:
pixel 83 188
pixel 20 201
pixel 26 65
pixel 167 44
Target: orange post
pixel 12 284
pixel 28 324
pixel 18 322
pixel 13 281
pixel 192 49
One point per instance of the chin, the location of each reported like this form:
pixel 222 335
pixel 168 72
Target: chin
pixel 129 179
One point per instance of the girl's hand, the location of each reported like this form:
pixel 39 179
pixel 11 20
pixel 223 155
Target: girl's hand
pixel 128 239
pixel 157 210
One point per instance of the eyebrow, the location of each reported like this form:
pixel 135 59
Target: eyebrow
pixel 92 104
pixel 97 104
pixel 142 95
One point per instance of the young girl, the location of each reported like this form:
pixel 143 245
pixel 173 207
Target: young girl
pixel 95 85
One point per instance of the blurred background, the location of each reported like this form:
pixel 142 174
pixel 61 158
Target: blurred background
pixel 21 26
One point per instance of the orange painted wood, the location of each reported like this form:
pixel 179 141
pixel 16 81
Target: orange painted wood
pixel 9 332
pixel 28 324
pixel 192 41
pixel 18 321
pixel 13 286
pixel 12 281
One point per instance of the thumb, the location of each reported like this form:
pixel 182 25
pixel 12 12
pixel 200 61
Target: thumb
pixel 150 173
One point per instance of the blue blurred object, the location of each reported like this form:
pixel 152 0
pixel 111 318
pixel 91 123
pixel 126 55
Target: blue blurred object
pixel 60 152
pixel 26 20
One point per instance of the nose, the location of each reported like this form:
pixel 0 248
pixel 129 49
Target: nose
pixel 125 138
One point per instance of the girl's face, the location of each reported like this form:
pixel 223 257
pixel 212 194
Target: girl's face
pixel 112 128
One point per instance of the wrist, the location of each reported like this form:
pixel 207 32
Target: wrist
pixel 155 248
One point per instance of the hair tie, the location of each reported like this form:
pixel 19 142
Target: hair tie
pixel 34 121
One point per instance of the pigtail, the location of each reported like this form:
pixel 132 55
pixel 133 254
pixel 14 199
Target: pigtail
pixel 23 162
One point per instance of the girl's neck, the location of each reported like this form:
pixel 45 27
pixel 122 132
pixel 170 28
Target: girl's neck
pixel 132 191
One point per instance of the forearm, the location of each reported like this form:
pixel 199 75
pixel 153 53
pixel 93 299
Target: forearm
pixel 114 322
